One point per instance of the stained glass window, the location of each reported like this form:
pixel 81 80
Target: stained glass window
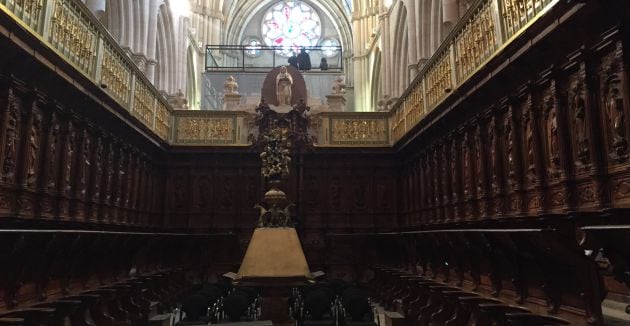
pixel 252 47
pixel 330 47
pixel 291 25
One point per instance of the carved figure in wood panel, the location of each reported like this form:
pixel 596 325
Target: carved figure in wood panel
pixel 98 169
pixel 84 164
pixel 120 174
pixel 551 133
pixel 51 166
pixel 491 165
pixel 467 166
pixel 33 149
pixel 529 143
pixel 509 146
pixel 68 155
pixel 578 107
pixel 109 178
pixel 10 144
pixel 615 113
pixel 455 176
pixel 478 161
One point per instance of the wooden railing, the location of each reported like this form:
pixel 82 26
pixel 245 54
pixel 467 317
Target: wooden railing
pixel 69 29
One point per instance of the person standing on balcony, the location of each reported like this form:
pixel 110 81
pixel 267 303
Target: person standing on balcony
pixel 304 60
pixel 293 60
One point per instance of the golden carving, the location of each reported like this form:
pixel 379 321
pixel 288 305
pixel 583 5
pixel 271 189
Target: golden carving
pixel 200 130
pixel 115 75
pixel 517 13
pixel 439 80
pixel 143 103
pixel 162 123
pixel 28 11
pixel 359 131
pixel 475 43
pixel 73 35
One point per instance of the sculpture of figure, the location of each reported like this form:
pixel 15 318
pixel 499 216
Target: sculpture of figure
pixel 302 108
pixel 69 155
pixel 178 101
pixel 230 86
pixel 33 149
pixel 579 111
pixel 284 82
pixel 98 171
pixel 52 153
pixel 10 153
pixel 304 60
pixel 338 86
pixel 614 110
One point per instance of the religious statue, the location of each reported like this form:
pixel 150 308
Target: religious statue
pixel 230 86
pixel 338 86
pixel 178 101
pixel 615 114
pixel 284 82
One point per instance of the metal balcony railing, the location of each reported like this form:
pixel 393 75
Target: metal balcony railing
pixel 254 58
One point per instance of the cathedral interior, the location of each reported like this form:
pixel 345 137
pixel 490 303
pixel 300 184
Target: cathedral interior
pixel 314 162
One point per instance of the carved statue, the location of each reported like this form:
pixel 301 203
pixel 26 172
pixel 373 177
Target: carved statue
pixel 98 170
pixel 615 114
pixel 8 167
pixel 552 133
pixel 230 86
pixel 579 112
pixel 33 150
pixel 69 154
pixel 284 82
pixel 52 153
pixel 509 140
pixel 338 86
pixel 529 133
pixel 85 165
pixel 178 101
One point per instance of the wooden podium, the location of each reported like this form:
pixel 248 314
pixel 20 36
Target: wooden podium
pixel 275 261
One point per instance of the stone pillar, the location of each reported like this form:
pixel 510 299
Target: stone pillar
pixel 231 101
pixel 151 41
pixel 450 13
pixel 336 102
pixel 413 39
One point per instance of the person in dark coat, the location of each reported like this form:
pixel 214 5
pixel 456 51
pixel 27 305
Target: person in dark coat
pixel 293 60
pixel 323 65
pixel 304 60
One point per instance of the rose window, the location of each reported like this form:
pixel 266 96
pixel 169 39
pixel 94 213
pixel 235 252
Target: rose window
pixel 291 25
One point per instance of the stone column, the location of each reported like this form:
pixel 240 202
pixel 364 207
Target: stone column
pixel 450 13
pixel 336 102
pixel 151 41
pixel 231 101
pixel 413 39
pixel 97 7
